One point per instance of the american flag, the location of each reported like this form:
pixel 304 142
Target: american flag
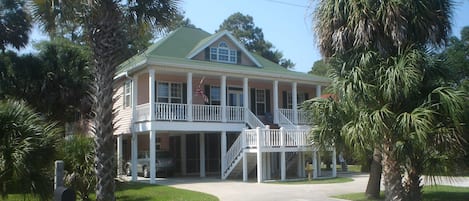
pixel 200 92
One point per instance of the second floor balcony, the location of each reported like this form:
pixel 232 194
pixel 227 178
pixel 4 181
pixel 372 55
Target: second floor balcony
pixel 212 113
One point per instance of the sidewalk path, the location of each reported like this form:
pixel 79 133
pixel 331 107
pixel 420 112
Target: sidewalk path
pixel 231 190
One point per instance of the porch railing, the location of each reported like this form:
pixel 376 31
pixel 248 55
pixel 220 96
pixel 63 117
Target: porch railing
pixel 142 112
pixel 235 114
pixel 288 113
pixel 179 112
pixel 171 111
pixel 276 137
pixel 206 112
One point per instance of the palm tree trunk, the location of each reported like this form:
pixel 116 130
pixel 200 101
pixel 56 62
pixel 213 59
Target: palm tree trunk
pixel 413 187
pixel 106 43
pixel 374 181
pixel 392 174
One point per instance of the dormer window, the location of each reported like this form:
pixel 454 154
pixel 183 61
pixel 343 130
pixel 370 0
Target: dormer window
pixel 223 53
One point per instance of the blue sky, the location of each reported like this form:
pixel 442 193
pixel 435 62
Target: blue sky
pixel 285 23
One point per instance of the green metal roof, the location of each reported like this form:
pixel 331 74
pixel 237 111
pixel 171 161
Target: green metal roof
pixel 184 41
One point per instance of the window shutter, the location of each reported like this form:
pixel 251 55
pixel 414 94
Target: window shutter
pixel 253 100
pixel 267 101
pixel 184 93
pixel 284 100
pixel 238 57
pixel 207 93
pixel 207 53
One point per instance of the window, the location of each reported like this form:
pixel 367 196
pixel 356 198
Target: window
pixel 215 95
pixel 223 53
pixel 260 101
pixel 127 93
pixel 169 92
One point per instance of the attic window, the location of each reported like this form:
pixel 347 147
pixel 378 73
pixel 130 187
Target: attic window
pixel 223 53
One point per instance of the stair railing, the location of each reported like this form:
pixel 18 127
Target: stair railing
pixel 252 120
pixel 232 154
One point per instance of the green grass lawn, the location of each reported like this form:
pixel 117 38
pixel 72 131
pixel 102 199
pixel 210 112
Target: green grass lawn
pixel 317 181
pixel 430 193
pixel 132 191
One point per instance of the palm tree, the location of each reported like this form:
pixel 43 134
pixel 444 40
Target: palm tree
pixel 27 145
pixel 372 37
pixel 104 24
pixel 15 24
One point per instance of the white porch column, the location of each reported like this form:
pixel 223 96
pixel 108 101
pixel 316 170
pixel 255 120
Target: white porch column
pixel 259 155
pixel 151 93
pixel 152 135
pixel 152 156
pixel 119 155
pixel 245 98
pixel 223 153
pixel 294 102
pixel 315 164
pixel 223 98
pixel 334 163
pixel 318 90
pixel 134 155
pixel 134 139
pixel 202 154
pixel 245 166
pixel 283 166
pixel 275 97
pixel 183 155
pixel 189 96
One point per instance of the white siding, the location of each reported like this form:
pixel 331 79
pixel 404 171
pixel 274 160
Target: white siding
pixel 123 118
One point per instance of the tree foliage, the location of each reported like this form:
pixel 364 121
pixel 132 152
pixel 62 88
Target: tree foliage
pixel 320 68
pixel 27 147
pixel 15 24
pixel 390 85
pixel 243 28
pixel 78 155
pixel 55 82
pixel 456 58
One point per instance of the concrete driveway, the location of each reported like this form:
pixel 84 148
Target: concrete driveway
pixel 231 190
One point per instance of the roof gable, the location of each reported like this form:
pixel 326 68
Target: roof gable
pixel 209 41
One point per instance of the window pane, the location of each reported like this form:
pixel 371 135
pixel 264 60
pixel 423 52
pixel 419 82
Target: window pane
pixel 232 56
pixel 260 97
pixel 162 100
pixel 215 93
pixel 223 51
pixel 213 53
pixel 163 89
pixel 176 90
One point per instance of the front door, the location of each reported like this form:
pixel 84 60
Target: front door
pixel 235 99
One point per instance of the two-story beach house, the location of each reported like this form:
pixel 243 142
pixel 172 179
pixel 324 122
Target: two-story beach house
pixel 217 108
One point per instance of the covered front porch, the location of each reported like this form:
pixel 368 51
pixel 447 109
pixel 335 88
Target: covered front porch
pixel 268 153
